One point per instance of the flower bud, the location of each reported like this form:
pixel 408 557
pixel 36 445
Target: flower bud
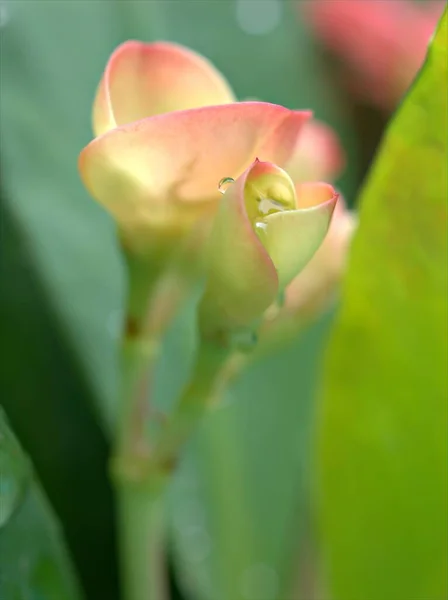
pixel 265 232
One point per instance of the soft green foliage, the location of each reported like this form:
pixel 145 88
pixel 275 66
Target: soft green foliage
pixel 34 563
pixel 65 290
pixel 383 458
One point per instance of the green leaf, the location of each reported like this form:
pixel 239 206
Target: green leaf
pixel 34 561
pixel 383 429
pixel 46 398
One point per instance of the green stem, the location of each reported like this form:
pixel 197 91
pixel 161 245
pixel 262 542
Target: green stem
pixel 142 472
pixel 142 466
pixel 140 518
pixel 190 408
pixel 138 358
pixel 140 501
pixel 141 525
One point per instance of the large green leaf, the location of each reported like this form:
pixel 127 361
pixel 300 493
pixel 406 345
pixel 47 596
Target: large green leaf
pixel 65 326
pixel 383 455
pixel 46 395
pixel 34 562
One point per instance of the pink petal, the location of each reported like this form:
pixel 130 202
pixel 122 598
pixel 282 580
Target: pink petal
pixel 383 42
pixel 148 169
pixel 314 194
pixel 142 80
pixel 318 155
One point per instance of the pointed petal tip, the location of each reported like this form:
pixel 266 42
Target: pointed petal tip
pixel 313 194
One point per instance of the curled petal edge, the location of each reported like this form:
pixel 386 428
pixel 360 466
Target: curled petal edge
pixel 242 281
pixel 291 238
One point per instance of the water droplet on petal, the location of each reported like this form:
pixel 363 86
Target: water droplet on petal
pixel 224 184
pixel 260 226
pixel 266 206
pixel 260 229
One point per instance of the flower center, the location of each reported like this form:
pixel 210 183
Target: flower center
pixel 268 193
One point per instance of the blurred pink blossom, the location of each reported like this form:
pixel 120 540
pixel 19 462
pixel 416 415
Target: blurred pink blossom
pixel 382 43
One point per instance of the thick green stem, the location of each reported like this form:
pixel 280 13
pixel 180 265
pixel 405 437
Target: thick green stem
pixel 140 501
pixel 143 469
pixel 144 459
pixel 141 522
pixel 141 525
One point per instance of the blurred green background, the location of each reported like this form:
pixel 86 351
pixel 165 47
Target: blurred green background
pixel 241 517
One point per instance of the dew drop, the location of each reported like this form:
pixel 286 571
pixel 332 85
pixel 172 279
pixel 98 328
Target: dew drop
pixel 260 229
pixel 266 206
pixel 224 184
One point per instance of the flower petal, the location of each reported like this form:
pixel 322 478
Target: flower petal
pixel 292 237
pixel 315 286
pixel 372 39
pixel 317 156
pixel 242 280
pixel 313 194
pixel 142 80
pixel 146 171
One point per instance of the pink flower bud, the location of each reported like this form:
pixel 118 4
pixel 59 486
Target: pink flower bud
pixel 264 234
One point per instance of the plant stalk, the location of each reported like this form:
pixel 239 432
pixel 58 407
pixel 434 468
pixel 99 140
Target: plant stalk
pixel 140 499
pixel 141 524
pixel 191 407
pixel 140 510
pixel 145 457
pixel 143 471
